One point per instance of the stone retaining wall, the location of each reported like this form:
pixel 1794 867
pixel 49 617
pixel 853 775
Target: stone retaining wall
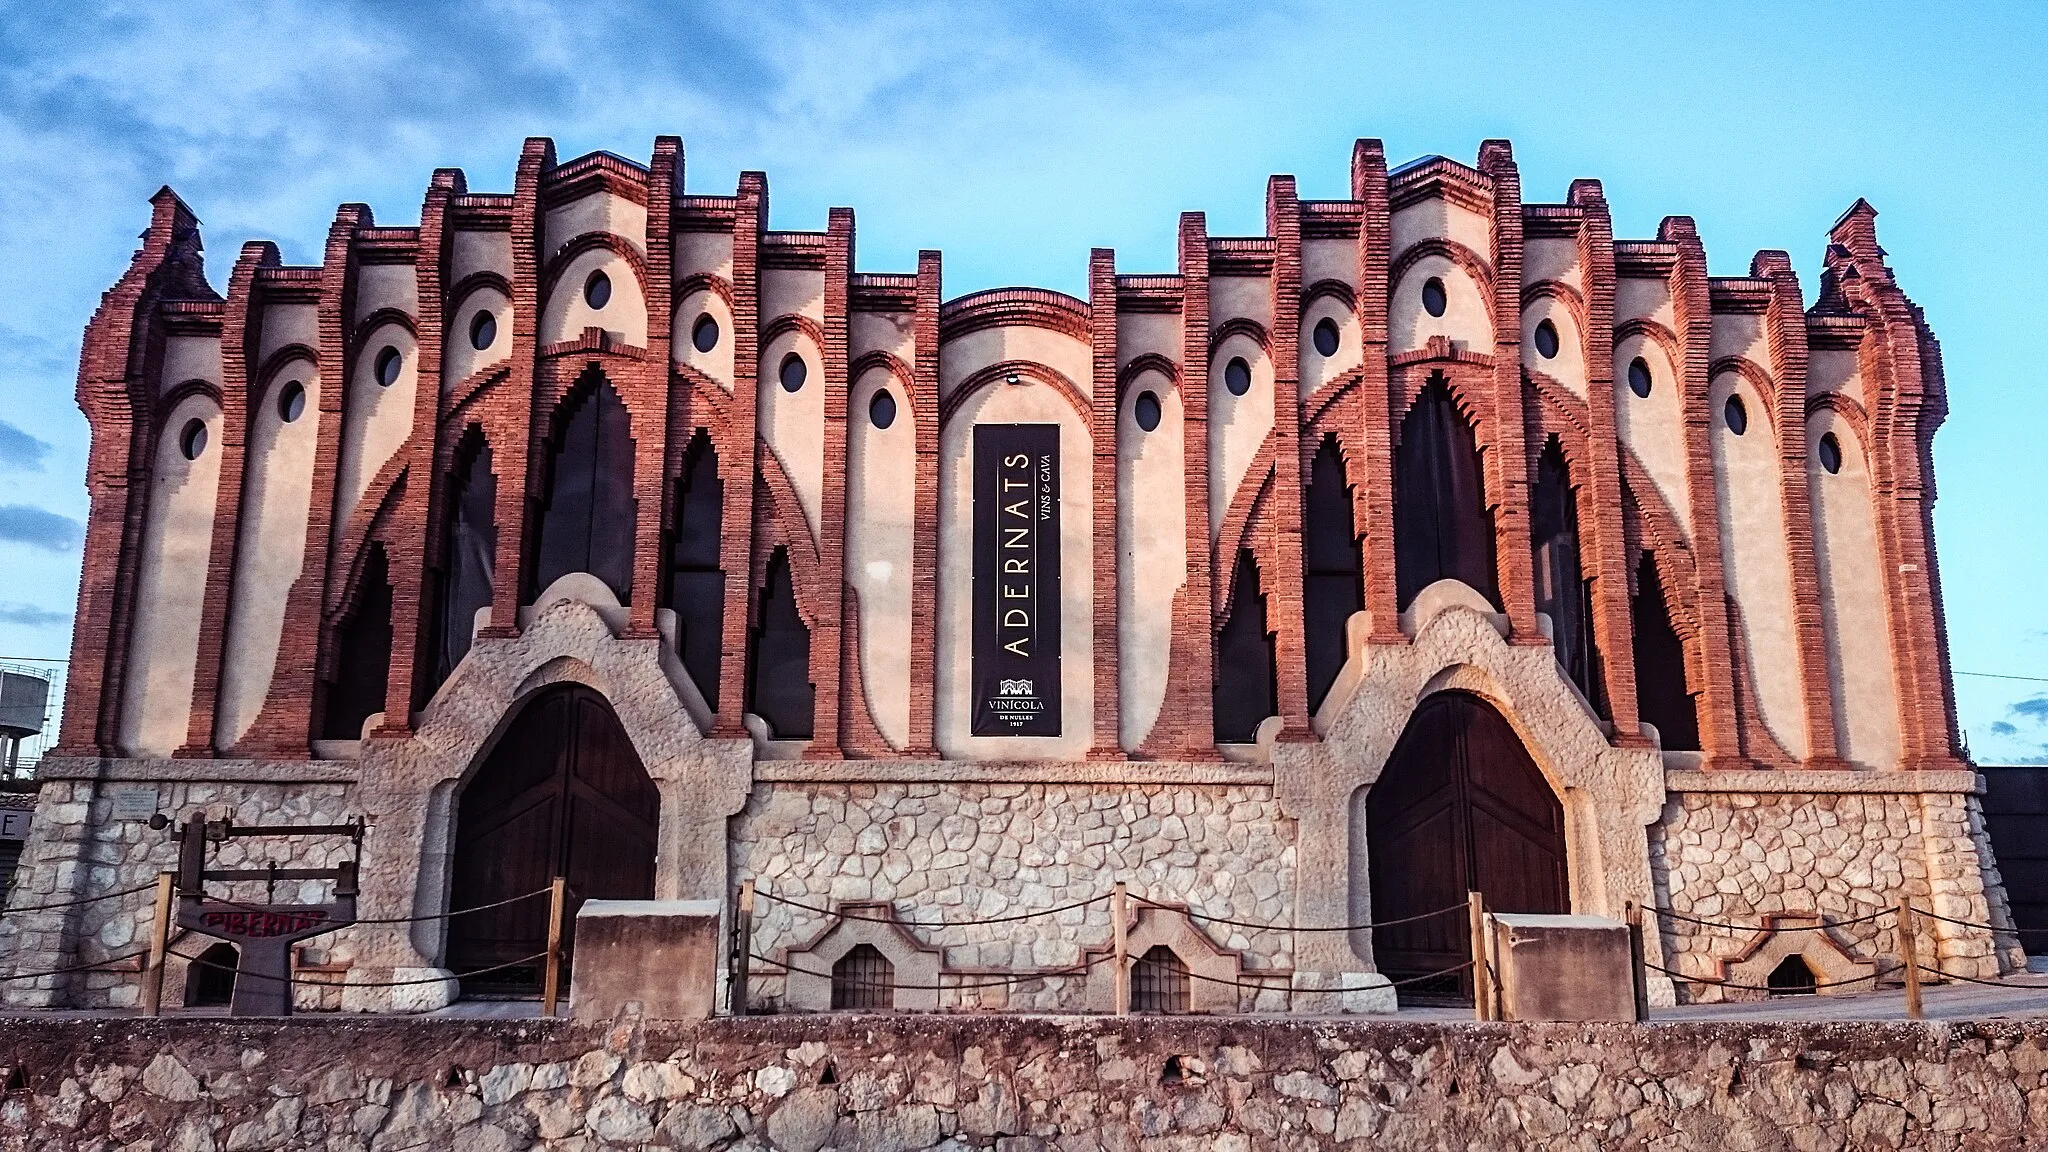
pixel 1014 1084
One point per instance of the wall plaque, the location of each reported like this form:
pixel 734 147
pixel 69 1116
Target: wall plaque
pixel 1016 580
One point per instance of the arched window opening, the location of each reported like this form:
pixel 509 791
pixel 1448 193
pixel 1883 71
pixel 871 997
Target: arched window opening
pixel 1159 982
pixel 1562 591
pixel 1662 696
pixel 586 516
pixel 210 980
pixel 469 557
pixel 362 655
pixel 1244 660
pixel 696 583
pixel 1334 571
pixel 1791 977
pixel 1442 528
pixel 863 980
pixel 779 688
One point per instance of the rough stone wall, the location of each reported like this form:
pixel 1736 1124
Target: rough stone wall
pixel 77 850
pixel 1016 1085
pixel 958 852
pixel 1735 857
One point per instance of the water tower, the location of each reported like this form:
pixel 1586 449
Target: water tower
pixel 24 705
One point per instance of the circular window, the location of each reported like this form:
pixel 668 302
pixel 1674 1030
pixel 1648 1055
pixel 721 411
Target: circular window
pixel 1327 340
pixel 1434 299
pixel 597 291
pixel 1546 339
pixel 704 335
pixel 882 409
pixel 792 373
pixel 1736 415
pixel 1237 376
pixel 192 441
pixel 483 330
pixel 388 364
pixel 1830 453
pixel 1147 411
pixel 1639 377
pixel 291 402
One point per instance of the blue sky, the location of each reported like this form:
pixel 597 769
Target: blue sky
pixel 1016 137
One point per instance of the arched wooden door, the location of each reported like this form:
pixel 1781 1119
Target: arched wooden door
pixel 562 794
pixel 1460 807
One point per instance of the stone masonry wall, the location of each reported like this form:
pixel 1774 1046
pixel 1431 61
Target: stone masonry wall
pixel 1735 857
pixel 1015 1084
pixel 955 852
pixel 78 850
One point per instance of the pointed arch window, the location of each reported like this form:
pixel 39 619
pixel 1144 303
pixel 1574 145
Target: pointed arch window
pixel 1663 697
pixel 1562 592
pixel 779 688
pixel 469 556
pixel 696 583
pixel 362 655
pixel 1245 678
pixel 586 513
pixel 1334 571
pixel 1442 528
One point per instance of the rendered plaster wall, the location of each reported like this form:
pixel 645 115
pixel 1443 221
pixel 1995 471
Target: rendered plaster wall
pixel 480 251
pixel 1152 551
pixel 190 358
pixel 1736 857
pixel 375 421
pixel 78 850
pixel 1318 370
pixel 1437 217
pixel 460 357
pixel 566 313
pixel 964 851
pixel 716 363
pixel 1239 426
pixel 285 324
pixel 802 1084
pixel 1758 559
pixel 1652 428
pixel 703 253
pixel 1568 367
pixel 1854 615
pixel 597 212
pixel 792 292
pixel 792 424
pixel 1467 320
pixel 880 547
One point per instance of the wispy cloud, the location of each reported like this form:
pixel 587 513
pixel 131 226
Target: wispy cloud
pixel 19 450
pixel 31 616
pixel 38 528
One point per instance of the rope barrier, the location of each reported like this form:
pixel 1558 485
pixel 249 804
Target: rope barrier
pixel 451 914
pixel 95 966
pixel 87 900
pixel 1262 987
pixel 1816 985
pixel 1977 980
pixel 923 924
pixel 239 973
pixel 1458 907
pixel 1076 970
pixel 1879 914
pixel 1970 924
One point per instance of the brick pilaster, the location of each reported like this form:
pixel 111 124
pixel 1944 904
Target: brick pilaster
pixel 1284 585
pixel 924 548
pixel 1506 470
pixel 1104 409
pixel 1186 728
pixel 829 640
pixel 736 454
pixel 1373 491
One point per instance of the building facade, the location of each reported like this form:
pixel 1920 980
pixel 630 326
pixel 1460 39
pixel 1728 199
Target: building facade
pixel 1434 541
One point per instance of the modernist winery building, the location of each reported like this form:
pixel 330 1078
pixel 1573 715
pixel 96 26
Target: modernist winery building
pixel 1435 540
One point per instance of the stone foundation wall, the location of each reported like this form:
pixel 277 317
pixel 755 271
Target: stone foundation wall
pixel 1015 1084
pixel 958 852
pixel 78 850
pixel 1736 857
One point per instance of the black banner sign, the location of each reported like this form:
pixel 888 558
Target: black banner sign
pixel 1016 580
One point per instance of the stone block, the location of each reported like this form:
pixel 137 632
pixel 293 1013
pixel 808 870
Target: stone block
pixel 660 954
pixel 1562 967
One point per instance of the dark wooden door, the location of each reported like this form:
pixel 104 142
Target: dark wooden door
pixel 1460 807
pixel 562 794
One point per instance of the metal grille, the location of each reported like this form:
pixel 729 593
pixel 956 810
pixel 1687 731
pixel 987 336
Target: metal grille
pixel 1159 982
pixel 862 979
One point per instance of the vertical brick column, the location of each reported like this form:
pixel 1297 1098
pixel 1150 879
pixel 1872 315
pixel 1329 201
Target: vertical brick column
pixel 1599 508
pixel 924 547
pixel 1373 492
pixel 284 727
pixel 240 392
pixel 1186 726
pixel 1710 660
pixel 1104 408
pixel 736 454
pixel 1284 586
pixel 1786 329
pixel 650 392
pixel 1507 455
pixel 828 636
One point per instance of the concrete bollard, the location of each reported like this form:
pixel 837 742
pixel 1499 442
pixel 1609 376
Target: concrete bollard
pixel 660 954
pixel 1562 968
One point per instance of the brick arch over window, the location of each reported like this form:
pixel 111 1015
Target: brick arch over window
pixel 353 691
pixel 1246 678
pixel 468 549
pixel 585 513
pixel 1333 568
pixel 779 688
pixel 1562 591
pixel 694 587
pixel 1442 528
pixel 1664 697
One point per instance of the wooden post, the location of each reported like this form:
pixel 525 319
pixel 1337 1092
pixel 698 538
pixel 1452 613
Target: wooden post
pixel 551 979
pixel 1122 984
pixel 1909 958
pixel 159 943
pixel 1639 976
pixel 1482 977
pixel 742 947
